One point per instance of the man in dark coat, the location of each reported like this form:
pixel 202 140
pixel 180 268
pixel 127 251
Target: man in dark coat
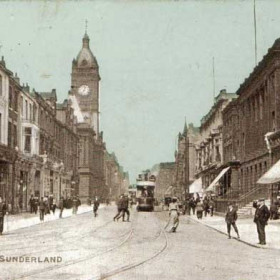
pixel 124 207
pixel 95 206
pixel 61 206
pixel 231 217
pixel 119 205
pixel 42 208
pixel 262 215
pixel 31 203
pixel 3 209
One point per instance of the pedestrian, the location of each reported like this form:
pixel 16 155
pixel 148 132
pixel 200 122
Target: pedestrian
pixel 75 205
pixel 119 207
pixel 95 206
pixel 31 204
pixel 42 209
pixel 3 210
pixel 46 201
pixel 54 205
pixel 205 206
pixel 262 215
pixel 61 205
pixel 199 209
pixel 192 205
pixel 274 211
pixel 50 202
pixel 174 214
pixel 36 203
pixel 79 203
pixel 211 207
pixel 230 218
pixel 124 207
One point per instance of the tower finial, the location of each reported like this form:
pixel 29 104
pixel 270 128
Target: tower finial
pixel 86 26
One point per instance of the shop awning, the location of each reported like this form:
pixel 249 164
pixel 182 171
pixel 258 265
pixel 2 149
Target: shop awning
pixel 168 190
pixel 272 176
pixel 196 186
pixel 217 179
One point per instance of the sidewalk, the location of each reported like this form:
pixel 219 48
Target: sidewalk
pixel 13 222
pixel 247 230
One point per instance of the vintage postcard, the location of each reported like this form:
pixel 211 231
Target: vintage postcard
pixel 139 140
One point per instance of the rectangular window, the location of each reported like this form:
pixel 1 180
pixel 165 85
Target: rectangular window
pixel 1 85
pixel 15 135
pixel 26 110
pixel 10 97
pixel 15 101
pixel 27 139
pixel 34 113
pixel 261 106
pixel 30 112
pixel 10 134
pixel 21 106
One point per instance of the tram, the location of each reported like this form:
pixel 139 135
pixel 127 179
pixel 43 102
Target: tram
pixel 145 195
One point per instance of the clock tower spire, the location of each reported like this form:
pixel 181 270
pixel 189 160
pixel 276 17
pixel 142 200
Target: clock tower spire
pixel 85 83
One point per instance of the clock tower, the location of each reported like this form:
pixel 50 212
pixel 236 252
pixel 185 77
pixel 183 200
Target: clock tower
pixel 85 84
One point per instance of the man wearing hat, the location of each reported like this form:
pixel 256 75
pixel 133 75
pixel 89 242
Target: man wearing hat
pixel 231 217
pixel 262 215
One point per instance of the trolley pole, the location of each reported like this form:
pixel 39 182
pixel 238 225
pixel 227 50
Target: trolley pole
pixel 187 175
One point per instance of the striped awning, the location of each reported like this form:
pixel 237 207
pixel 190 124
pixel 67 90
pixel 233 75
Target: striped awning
pixel 217 179
pixel 272 176
pixel 196 186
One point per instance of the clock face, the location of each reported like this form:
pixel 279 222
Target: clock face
pixel 83 90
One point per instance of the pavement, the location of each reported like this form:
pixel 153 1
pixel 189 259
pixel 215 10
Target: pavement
pixel 22 220
pixel 247 230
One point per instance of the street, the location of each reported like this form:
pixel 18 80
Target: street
pixel 84 247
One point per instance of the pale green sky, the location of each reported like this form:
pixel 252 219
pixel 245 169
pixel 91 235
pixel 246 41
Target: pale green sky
pixel 155 60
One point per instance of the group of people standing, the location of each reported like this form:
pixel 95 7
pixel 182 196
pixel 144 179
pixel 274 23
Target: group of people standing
pixel 122 206
pixel 198 206
pixel 48 203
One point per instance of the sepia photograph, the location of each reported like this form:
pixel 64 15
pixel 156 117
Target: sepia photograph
pixel 139 140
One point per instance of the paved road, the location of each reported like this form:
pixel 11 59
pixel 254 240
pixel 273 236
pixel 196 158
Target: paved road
pixel 98 248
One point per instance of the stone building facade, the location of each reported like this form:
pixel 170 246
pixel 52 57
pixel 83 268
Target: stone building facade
pixel 253 130
pixel 164 173
pixel 209 148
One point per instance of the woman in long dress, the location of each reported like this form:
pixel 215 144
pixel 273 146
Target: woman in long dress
pixel 173 215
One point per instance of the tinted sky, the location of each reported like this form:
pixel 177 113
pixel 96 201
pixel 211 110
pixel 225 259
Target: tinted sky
pixel 155 60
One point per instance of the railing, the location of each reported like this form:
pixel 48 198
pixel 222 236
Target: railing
pixel 253 194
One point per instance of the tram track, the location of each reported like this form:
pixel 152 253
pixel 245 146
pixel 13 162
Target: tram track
pixel 126 240
pixel 76 261
pixel 125 268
